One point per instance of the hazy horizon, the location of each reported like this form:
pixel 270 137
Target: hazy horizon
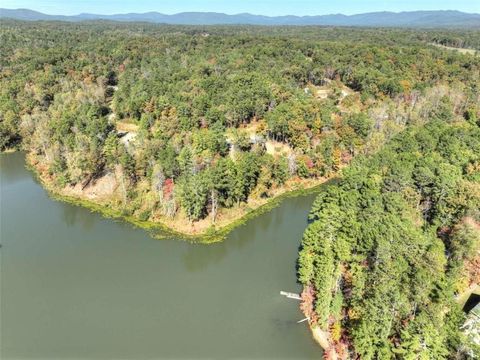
pixel 265 7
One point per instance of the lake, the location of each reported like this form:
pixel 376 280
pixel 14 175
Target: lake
pixel 79 286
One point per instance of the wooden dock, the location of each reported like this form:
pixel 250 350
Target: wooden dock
pixel 290 295
pixel 300 321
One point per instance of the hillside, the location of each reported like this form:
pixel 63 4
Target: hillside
pixel 191 129
pixel 425 19
pixel 393 242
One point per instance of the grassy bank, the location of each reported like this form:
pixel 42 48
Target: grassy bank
pixel 8 150
pixel 158 229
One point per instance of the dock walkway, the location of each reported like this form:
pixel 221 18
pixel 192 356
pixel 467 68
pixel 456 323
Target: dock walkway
pixel 291 295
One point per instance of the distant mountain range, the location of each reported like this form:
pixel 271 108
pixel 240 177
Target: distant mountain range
pixel 427 19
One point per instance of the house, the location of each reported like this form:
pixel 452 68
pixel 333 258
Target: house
pixel 471 327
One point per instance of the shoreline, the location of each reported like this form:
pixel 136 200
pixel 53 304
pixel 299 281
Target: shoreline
pixel 321 337
pixel 160 229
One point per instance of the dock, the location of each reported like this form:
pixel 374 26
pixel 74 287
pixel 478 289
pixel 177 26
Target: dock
pixel 300 321
pixel 291 295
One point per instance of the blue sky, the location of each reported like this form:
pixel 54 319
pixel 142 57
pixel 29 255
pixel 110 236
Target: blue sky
pixel 264 7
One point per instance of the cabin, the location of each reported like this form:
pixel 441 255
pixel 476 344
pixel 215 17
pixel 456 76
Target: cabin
pixel 471 327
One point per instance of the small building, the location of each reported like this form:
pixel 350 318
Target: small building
pixel 471 327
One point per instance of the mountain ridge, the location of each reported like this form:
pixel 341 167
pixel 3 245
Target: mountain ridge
pixel 437 18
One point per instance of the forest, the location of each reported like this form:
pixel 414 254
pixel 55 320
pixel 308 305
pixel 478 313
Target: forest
pixel 392 245
pixel 185 123
pixel 189 124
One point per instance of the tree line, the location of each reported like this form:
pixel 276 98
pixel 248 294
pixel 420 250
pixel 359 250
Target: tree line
pixel 390 246
pixel 221 114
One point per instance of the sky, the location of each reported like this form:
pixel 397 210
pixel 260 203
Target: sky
pixel 263 7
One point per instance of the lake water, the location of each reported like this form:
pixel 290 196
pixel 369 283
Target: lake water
pixel 75 285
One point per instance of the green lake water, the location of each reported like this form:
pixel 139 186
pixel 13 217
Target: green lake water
pixel 75 285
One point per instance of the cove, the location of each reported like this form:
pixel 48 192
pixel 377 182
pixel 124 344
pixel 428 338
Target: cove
pixel 77 285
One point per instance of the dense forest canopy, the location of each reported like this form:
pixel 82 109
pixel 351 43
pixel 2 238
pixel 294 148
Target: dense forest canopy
pixel 195 119
pixel 390 245
pixel 191 120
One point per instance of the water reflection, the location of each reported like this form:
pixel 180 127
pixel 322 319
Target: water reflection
pixel 16 169
pixel 77 285
pixel 74 215
pixel 198 257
